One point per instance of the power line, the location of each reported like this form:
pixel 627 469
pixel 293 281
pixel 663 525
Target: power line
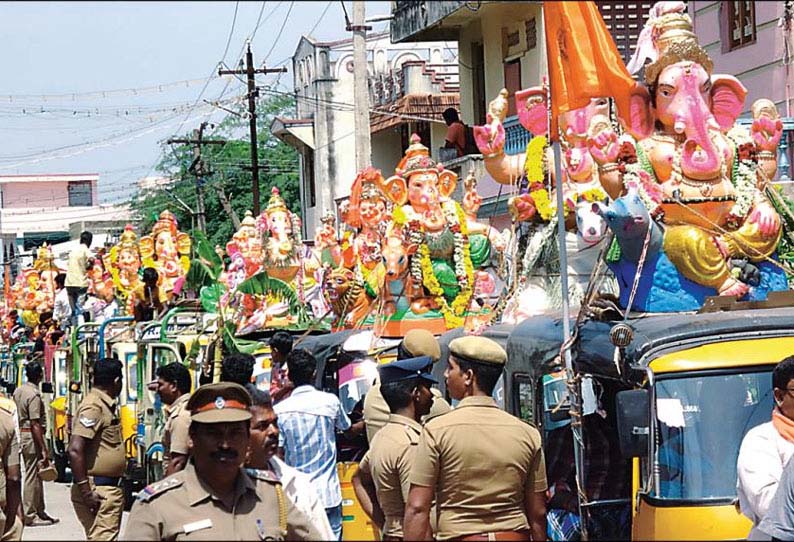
pixel 102 93
pixel 231 32
pixel 280 31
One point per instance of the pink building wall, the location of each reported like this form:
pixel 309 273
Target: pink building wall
pixel 759 66
pixel 35 194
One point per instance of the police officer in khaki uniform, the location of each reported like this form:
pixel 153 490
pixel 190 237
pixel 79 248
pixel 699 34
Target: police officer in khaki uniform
pixel 9 455
pixel 173 387
pixel 416 343
pixel 405 386
pixel 484 466
pixel 96 455
pixel 214 498
pixel 32 421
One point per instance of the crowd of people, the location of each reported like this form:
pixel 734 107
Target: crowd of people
pixel 241 464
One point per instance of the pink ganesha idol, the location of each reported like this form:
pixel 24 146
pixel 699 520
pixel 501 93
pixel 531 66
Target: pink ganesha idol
pixel 699 172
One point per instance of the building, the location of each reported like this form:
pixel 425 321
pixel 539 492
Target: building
pixel 753 42
pixel 410 85
pixel 35 209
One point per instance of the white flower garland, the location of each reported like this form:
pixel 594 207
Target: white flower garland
pixel 746 174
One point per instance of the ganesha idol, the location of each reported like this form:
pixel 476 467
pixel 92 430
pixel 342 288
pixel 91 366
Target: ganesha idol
pixel 272 243
pixel 123 261
pixel 697 172
pixel 167 250
pixel 537 290
pixel 442 245
pixel 33 292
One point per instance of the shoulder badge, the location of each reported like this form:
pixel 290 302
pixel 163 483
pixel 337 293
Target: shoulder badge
pixel 264 475
pixel 158 488
pixel 87 422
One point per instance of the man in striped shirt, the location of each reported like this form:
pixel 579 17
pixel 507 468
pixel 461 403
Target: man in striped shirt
pixel 307 421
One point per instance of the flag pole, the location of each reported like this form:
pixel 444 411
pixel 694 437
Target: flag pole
pixel 573 384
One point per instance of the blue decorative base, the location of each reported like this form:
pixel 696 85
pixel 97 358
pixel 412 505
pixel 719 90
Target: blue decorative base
pixel 663 289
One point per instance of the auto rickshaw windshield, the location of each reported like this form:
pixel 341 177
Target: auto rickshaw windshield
pixel 701 421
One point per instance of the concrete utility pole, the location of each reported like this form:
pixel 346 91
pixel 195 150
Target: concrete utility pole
pixel 253 93
pixel 198 169
pixel 360 87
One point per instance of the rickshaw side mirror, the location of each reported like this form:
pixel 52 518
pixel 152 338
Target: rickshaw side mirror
pixel 633 417
pixel 46 387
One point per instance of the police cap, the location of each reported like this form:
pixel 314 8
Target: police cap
pixel 404 369
pixel 478 350
pixel 222 402
pixel 420 342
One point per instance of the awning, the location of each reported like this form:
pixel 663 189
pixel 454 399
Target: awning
pixel 297 133
pixel 412 107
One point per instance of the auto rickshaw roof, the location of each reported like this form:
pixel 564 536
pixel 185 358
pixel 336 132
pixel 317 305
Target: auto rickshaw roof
pixel 535 343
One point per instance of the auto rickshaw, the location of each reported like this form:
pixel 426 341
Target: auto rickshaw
pixel 662 403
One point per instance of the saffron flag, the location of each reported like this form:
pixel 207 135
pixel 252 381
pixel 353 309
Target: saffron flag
pixel 584 61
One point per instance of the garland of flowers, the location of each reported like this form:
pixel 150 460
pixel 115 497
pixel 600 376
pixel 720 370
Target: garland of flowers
pixel 743 175
pixel 633 164
pixel 535 163
pixel 593 194
pixel 422 265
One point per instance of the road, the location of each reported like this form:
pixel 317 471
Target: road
pixel 59 505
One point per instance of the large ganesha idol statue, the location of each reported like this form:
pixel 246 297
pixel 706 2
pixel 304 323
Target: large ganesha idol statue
pixel 442 246
pixel 698 174
pixel 167 250
pixel 33 291
pixel 123 261
pixel 274 246
pixel 537 287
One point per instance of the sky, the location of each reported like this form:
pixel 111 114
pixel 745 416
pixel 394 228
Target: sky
pixel 97 87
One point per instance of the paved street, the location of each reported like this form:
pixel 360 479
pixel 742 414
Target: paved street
pixel 59 506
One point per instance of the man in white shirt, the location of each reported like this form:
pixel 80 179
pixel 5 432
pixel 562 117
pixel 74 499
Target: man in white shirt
pixel 62 310
pixel 262 450
pixel 80 260
pixel 765 451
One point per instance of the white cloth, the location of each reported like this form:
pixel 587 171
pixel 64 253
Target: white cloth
pixel 298 489
pixel 762 456
pixel 62 310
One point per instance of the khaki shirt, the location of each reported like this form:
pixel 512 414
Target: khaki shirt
pixel 30 406
pixel 76 274
pixel 97 420
pixel 376 411
pixel 9 450
pixel 181 507
pixel 177 426
pixel 390 458
pixel 481 460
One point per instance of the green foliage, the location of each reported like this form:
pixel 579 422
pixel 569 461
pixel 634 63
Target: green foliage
pixel 226 164
pixel 262 284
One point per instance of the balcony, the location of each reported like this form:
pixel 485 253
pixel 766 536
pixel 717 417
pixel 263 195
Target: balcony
pixel 412 21
pixel 516 136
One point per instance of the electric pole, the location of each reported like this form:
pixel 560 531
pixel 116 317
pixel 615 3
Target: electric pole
pixel 198 169
pixel 360 87
pixel 250 71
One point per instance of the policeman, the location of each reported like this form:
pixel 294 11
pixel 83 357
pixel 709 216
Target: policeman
pixel 9 454
pixel 484 466
pixel 96 455
pixel 405 386
pixel 32 420
pixel 173 387
pixel 214 498
pixel 416 343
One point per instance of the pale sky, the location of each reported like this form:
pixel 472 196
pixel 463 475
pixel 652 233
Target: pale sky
pixel 80 49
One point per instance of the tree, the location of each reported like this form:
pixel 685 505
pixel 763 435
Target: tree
pixel 228 174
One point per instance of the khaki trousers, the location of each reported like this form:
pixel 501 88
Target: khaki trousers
pixel 32 486
pixel 105 525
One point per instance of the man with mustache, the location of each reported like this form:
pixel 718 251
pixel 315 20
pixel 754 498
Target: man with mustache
pixel 262 456
pixel 214 498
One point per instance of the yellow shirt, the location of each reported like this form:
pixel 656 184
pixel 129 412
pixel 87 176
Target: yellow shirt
pixel 481 460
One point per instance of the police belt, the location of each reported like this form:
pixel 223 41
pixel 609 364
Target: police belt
pixel 109 481
pixel 498 535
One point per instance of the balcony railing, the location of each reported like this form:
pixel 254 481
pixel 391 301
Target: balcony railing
pixel 516 136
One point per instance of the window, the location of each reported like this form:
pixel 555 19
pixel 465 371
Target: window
pixel 624 20
pixel 523 397
pixel 309 188
pixel 80 194
pixel 512 83
pixel 737 23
